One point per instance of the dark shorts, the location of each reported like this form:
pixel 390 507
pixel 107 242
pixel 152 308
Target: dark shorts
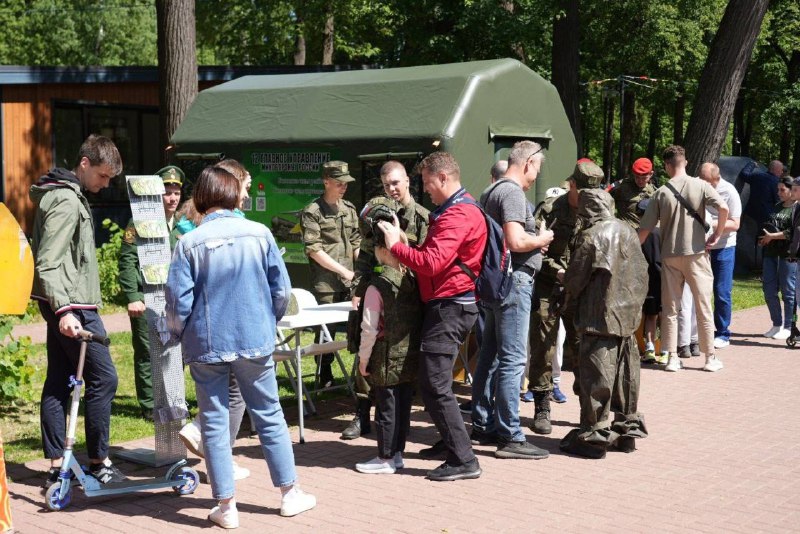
pixel 652 305
pixel 446 325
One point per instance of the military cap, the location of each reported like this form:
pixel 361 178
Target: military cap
pixel 587 175
pixel 796 181
pixel 171 175
pixel 337 170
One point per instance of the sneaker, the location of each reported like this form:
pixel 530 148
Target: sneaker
pixel 694 349
pixel 772 331
pixel 239 472
pixel 398 460
pixel 192 438
pixel 782 334
pixel 662 358
pixel 520 450
pixel 447 472
pixel 479 437
pixel 527 396
pixel 465 407
pixel 557 396
pixel 377 466
pixel 297 501
pixel 439 450
pixel 106 473
pixel 227 518
pixel 353 430
pixel 721 342
pixel 649 357
pixel 684 352
pixel 52 477
pixel 713 364
pixel 649 347
pixel 674 364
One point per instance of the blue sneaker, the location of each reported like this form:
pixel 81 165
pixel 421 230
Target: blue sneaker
pixel 527 396
pixel 557 396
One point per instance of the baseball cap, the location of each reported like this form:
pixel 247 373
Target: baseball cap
pixel 642 166
pixel 171 175
pixel 337 170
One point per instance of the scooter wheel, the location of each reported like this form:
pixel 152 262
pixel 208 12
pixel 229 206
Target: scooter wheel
pixel 56 501
pixel 190 476
pixel 791 341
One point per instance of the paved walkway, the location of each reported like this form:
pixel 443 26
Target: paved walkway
pixel 721 457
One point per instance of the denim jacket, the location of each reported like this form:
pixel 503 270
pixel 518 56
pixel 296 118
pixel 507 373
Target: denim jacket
pixel 227 287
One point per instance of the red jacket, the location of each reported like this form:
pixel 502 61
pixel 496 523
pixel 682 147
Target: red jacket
pixel 460 231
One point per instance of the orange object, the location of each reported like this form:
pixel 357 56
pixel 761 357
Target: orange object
pixel 5 504
pixel 640 339
pixel 16 265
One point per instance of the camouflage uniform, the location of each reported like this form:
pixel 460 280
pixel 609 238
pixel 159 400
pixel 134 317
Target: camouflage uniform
pixel 131 284
pixel 607 279
pixel 543 331
pixel 627 196
pixel 333 230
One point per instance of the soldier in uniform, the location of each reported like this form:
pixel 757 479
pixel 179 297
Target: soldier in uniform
pixel 607 281
pixel 330 234
pixel 413 218
pixel 627 197
pixel 130 280
pixel 560 215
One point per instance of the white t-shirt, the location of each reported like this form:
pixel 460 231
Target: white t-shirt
pixel 731 197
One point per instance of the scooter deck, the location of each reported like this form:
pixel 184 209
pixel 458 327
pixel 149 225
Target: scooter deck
pixel 130 486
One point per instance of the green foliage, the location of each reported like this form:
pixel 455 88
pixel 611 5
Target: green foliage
pixel 15 370
pixel 108 263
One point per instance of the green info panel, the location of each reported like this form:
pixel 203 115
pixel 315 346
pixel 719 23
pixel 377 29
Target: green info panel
pixel 285 180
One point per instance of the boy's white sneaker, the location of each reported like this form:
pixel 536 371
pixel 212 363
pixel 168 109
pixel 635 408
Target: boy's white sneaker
pixel 297 501
pixel 377 466
pixel 191 437
pixel 225 516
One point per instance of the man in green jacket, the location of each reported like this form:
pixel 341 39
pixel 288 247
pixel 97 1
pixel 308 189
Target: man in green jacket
pixel 67 286
pixel 130 280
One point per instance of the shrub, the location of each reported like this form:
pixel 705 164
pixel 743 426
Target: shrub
pixel 15 372
pixel 107 263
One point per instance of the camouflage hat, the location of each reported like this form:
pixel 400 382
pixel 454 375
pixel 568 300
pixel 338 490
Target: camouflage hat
pixel 337 170
pixel 171 175
pixel 587 175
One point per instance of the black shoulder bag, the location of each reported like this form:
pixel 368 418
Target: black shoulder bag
pixel 693 212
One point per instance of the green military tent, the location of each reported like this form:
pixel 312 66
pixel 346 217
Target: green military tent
pixel 282 127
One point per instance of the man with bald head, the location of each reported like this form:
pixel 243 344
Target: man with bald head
pixel 723 253
pixel 763 190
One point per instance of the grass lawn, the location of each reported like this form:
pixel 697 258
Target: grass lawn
pixel 20 425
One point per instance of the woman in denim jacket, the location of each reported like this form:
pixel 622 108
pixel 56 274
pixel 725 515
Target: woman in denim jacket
pixel 226 289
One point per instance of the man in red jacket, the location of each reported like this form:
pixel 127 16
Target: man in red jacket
pixel 457 231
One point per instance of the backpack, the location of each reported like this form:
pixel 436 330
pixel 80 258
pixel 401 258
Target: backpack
pixel 493 283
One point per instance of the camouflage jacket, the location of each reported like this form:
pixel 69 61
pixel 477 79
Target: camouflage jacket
pixel 627 196
pixel 559 211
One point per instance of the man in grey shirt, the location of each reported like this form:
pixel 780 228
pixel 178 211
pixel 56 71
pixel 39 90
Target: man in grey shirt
pixel 495 398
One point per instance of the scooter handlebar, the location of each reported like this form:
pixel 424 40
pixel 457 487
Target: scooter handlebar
pixel 85 335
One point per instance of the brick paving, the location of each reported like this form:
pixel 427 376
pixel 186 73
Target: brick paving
pixel 721 457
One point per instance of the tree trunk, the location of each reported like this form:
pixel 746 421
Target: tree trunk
pixel 786 139
pixel 327 36
pixel 721 80
pixel 516 48
pixel 565 64
pixel 654 132
pixel 677 123
pixel 299 35
pixel 628 120
pixel 795 168
pixel 608 137
pixel 177 65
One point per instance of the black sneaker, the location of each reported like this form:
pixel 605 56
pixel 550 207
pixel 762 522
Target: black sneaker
pixel 447 472
pixel 52 477
pixel 479 437
pixel 520 450
pixel 106 474
pixel 438 451
pixel 465 408
pixel 694 350
pixel 683 352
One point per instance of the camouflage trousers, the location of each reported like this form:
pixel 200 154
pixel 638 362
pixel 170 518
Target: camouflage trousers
pixel 609 380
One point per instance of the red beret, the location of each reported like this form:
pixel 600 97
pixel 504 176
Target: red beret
pixel 642 166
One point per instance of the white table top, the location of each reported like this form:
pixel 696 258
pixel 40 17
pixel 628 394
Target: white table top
pixel 337 312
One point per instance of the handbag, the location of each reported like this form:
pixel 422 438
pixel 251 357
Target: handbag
pixel 685 203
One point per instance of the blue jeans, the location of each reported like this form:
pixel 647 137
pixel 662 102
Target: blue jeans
pixel 722 261
pixel 256 379
pixel 779 273
pixel 501 362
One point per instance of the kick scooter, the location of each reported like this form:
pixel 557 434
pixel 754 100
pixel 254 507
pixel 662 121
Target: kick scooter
pixel 181 478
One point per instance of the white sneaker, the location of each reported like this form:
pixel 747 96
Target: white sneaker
pixel 191 437
pixel 398 461
pixel 713 364
pixel 377 466
pixel 783 333
pixel 720 343
pixel 674 364
pixel 772 331
pixel 297 501
pixel 239 472
pixel 226 519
